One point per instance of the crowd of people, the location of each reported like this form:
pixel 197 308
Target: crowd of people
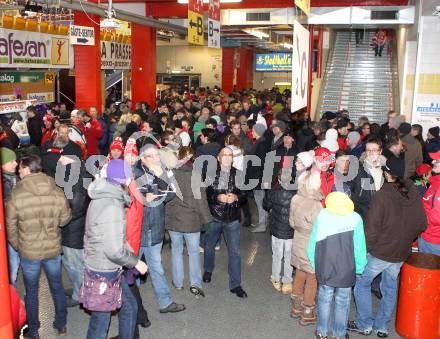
pixel 99 194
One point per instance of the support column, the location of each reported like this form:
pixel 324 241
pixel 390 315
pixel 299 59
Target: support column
pixel 143 64
pixel 228 69
pixel 309 94
pixel 245 73
pixel 88 82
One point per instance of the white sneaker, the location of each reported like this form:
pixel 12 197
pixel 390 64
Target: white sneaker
pixel 201 249
pixel 217 248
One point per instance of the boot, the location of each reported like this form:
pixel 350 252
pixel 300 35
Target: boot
pixel 296 306
pixel 276 285
pixel 308 315
pixel 287 288
pixel 142 315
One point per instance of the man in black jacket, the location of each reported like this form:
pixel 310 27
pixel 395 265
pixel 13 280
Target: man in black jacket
pixel 34 125
pixel 224 200
pixel 69 154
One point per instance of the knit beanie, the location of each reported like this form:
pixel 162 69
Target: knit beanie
pixel 118 171
pixel 307 158
pixel 259 129
pixel 7 155
pixel 117 144
pixel 354 136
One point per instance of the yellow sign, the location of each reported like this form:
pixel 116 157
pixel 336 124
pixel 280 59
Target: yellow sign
pixel 49 78
pixel 195 28
pixel 60 51
pixel 304 5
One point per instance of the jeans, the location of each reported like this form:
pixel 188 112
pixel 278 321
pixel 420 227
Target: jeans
pixel 378 50
pixel 13 264
pixel 73 261
pixel 362 294
pixel 342 309
pixel 31 275
pixel 281 248
pixel 428 247
pixel 192 244
pixel 262 214
pixel 157 273
pixel 231 231
pixel 100 321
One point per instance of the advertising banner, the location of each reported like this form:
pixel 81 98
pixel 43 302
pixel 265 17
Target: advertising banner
pixel 300 66
pixel 214 24
pixel 195 22
pixel 36 85
pixel 273 62
pixel 304 5
pixel 34 50
pixel 15 106
pixel 115 55
pixel 82 35
pixel 426 105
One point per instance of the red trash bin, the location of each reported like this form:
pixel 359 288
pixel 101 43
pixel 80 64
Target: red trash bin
pixel 418 308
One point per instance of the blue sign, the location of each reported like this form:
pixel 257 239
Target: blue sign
pixel 273 62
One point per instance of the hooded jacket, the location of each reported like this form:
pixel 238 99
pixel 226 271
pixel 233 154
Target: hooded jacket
pixel 413 155
pixel 36 210
pixel 336 249
pixel 431 203
pixel 105 245
pixel 394 222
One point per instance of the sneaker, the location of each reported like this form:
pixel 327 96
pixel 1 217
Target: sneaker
pixel 197 291
pixel 217 248
pixel 276 285
pixel 352 327
pixel 239 292
pixel 201 249
pixel 296 306
pixel 173 308
pixel 320 336
pixel 381 334
pixel 287 288
pixel 207 277
pixel 308 315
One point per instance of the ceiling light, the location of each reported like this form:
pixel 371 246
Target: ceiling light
pixel 257 33
pixel 207 1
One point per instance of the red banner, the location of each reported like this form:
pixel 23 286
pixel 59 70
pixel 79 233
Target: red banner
pixel 214 10
pixel 196 6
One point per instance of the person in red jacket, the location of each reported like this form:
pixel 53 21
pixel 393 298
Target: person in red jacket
pixel 323 162
pixel 48 130
pixel 429 240
pixel 92 131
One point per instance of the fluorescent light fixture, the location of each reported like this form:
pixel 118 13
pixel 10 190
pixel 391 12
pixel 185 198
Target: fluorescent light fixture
pixel 207 1
pixel 175 71
pixel 283 84
pixel 257 33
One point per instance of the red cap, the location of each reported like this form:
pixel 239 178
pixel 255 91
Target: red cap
pixel 423 169
pixel 435 155
pixel 323 153
pixel 117 144
pixel 130 147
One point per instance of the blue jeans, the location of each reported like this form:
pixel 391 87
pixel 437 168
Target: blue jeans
pixel 342 309
pixel 428 247
pixel 31 275
pixel 231 231
pixel 157 273
pixel 14 264
pixel 362 293
pixel 192 244
pixel 73 261
pixel 100 321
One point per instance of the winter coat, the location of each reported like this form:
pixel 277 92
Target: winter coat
pixel 327 182
pixel 362 189
pixel 336 249
pixel 431 146
pixel 105 245
pixel 134 216
pixel 8 138
pixel 277 203
pixel 185 213
pixel 223 211
pixel 393 223
pixel 304 208
pixel 256 172
pixel 92 134
pixel 154 212
pixel 104 141
pixel 357 150
pixel 36 210
pixel 413 155
pixel 9 181
pixel 35 130
pixel 431 203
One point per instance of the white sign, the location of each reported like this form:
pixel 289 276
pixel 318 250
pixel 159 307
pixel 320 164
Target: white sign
pixel 15 106
pixel 34 50
pixel 41 97
pixel 82 35
pixel 300 67
pixel 213 33
pixel 115 55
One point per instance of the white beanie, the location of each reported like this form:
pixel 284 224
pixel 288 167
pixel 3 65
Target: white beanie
pixel 259 129
pixel 307 158
pixel 330 142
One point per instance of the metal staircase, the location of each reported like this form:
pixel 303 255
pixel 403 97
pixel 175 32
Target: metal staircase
pixel 358 81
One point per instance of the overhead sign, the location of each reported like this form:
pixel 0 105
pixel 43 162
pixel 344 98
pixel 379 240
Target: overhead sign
pixel 82 35
pixel 214 24
pixel 34 50
pixel 115 55
pixel 300 66
pixel 304 5
pixel 15 106
pixel 195 22
pixel 273 62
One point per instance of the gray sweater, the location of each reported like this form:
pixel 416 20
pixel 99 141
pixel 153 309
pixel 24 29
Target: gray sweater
pixel 105 245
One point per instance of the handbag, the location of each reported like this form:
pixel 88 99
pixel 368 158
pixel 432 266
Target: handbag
pixel 99 294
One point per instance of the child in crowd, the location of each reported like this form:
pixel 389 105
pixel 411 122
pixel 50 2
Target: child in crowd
pixel 277 203
pixel 337 252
